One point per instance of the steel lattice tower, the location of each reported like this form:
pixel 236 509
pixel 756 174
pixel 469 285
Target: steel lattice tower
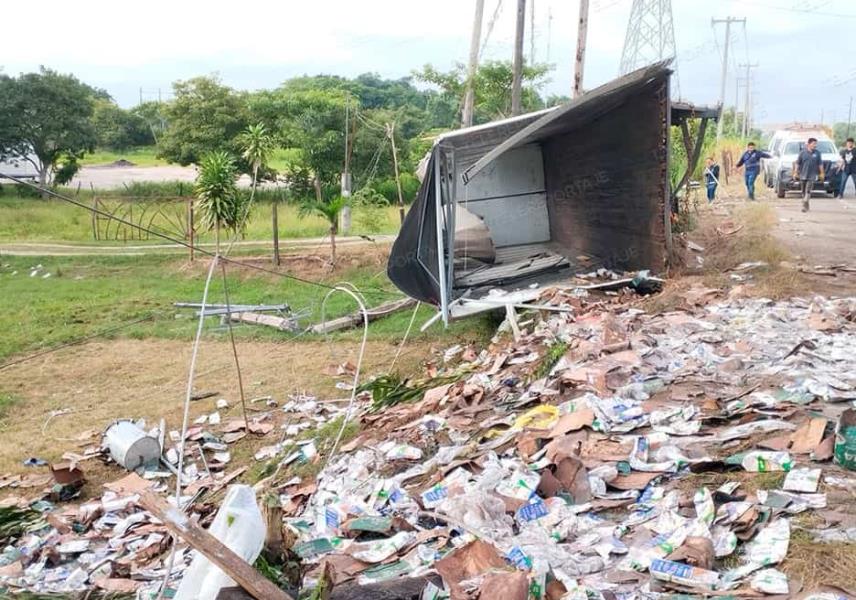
pixel 650 34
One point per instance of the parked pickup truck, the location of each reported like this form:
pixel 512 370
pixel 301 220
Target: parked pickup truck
pixel 784 181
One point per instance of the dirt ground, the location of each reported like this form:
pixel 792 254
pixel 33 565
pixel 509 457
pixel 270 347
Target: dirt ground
pixel 101 381
pixel 105 177
pixel 821 237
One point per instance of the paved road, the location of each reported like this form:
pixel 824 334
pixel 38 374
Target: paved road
pixel 50 249
pixel 106 177
pixel 825 235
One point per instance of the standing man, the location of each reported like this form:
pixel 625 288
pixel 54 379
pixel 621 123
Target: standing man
pixel 751 161
pixel 809 168
pixel 848 166
pixel 711 178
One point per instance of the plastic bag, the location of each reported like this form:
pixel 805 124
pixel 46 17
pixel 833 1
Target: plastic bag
pixel 240 527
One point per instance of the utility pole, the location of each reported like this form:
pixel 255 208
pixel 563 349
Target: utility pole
pixel 517 66
pixel 345 215
pixel 849 116
pixel 475 40
pixel 532 32
pixel 728 21
pixel 390 131
pixel 746 98
pixel 582 32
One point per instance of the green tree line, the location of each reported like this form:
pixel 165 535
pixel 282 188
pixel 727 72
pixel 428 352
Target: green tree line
pixel 54 119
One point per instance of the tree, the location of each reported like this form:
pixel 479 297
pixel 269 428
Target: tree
pixel 119 129
pixel 45 117
pixel 204 117
pixel 314 122
pixel 328 210
pixel 154 116
pixel 492 87
pixel 257 146
pixel 219 201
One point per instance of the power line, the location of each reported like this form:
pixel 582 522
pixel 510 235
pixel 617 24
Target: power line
pixel 808 11
pixel 728 21
pixel 174 240
pixel 76 341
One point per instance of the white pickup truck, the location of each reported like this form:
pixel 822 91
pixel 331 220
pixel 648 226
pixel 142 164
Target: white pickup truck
pixel 786 156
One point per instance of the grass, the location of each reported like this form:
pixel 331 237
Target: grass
pixel 816 564
pixel 140 370
pixel 144 156
pixel 749 482
pixel 85 295
pixel 324 438
pixel 36 220
pixel 6 402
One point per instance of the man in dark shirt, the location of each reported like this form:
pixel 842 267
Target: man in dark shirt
pixel 847 165
pixel 809 168
pixel 751 160
pixel 711 178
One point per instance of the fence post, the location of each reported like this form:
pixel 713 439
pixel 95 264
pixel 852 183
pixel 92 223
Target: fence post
pixel 94 218
pixel 190 226
pixel 275 224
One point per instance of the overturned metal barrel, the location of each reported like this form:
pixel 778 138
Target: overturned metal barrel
pixel 130 446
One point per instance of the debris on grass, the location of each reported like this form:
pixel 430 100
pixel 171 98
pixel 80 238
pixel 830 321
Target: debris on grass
pixel 601 450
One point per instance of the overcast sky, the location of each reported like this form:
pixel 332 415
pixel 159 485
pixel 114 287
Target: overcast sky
pixel 805 48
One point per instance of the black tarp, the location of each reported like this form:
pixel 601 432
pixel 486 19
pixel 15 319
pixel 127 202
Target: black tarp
pixel 413 262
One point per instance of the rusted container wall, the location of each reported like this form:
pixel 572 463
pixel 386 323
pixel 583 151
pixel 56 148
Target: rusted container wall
pixel 606 183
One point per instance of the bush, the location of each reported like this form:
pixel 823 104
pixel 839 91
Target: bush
pixel 370 210
pixel 389 190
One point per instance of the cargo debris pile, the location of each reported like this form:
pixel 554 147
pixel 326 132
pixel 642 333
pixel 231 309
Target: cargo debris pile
pixel 595 451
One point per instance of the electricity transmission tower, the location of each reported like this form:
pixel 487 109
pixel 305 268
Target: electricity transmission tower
pixel 650 34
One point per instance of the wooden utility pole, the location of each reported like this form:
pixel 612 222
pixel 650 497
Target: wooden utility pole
pixel 728 21
pixel 531 32
pixel 390 131
pixel 475 41
pixel 582 33
pixel 849 116
pixel 345 215
pixel 517 67
pixel 746 99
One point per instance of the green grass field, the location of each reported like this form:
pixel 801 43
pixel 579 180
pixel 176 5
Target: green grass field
pixel 144 156
pixel 83 296
pixel 36 220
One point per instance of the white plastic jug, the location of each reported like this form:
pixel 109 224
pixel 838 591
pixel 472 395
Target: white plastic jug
pixel 240 526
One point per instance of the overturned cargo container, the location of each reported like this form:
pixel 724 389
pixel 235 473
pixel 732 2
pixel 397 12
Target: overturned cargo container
pixel 535 198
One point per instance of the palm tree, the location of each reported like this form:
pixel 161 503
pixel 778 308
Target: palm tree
pixel 329 211
pixel 257 147
pixel 219 200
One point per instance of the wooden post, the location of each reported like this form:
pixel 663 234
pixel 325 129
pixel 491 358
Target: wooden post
pixel 582 31
pixel 517 65
pixel 94 218
pixel 211 548
pixel 190 226
pixel 274 215
pixel 390 131
pixel 475 40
